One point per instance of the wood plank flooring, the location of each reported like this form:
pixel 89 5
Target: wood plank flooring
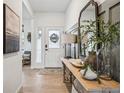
pixel 33 82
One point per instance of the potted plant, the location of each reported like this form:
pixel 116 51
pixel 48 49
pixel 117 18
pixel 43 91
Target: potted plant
pixel 109 35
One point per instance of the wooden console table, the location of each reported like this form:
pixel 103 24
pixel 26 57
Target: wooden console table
pixel 89 86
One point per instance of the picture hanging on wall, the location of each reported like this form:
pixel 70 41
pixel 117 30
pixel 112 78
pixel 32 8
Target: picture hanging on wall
pixel 29 37
pixel 11 29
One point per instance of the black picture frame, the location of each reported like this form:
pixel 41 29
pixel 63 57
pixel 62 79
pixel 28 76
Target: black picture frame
pixel 11 30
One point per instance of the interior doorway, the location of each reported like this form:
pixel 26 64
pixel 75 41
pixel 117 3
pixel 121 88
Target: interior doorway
pixel 26 46
pixel 26 36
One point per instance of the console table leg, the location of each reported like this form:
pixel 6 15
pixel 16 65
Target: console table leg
pixel 63 73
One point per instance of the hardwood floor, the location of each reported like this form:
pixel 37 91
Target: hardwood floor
pixel 33 82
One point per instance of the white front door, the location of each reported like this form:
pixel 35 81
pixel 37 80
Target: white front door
pixel 53 47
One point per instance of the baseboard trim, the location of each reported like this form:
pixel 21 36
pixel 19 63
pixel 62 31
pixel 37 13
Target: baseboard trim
pixel 36 67
pixel 19 89
pixel 53 67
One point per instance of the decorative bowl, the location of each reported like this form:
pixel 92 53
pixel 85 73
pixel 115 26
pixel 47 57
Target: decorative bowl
pixel 76 62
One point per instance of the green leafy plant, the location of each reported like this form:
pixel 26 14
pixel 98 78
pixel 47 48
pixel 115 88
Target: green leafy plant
pixel 108 33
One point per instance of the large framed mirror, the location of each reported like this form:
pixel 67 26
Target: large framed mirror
pixel 88 13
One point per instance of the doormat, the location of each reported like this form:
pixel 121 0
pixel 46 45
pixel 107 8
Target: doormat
pixel 50 71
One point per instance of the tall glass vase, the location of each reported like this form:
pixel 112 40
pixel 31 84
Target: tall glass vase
pixel 103 62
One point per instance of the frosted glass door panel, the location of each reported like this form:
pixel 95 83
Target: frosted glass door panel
pixel 39 49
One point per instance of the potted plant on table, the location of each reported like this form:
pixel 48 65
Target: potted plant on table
pixel 109 34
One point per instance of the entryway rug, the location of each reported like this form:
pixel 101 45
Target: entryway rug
pixel 50 71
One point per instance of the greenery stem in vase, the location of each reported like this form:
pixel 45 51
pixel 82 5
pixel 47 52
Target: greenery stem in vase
pixel 109 34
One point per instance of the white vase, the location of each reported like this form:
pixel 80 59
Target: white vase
pixel 90 75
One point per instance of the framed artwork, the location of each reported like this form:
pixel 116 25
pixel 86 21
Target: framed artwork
pixel 114 13
pixel 11 30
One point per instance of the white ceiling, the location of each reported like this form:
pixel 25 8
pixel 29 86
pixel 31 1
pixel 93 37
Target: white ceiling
pixel 49 5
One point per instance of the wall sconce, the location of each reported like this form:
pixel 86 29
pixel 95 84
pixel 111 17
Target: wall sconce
pixel 39 32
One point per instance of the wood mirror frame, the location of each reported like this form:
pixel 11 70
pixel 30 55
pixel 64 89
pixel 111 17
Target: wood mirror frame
pixel 79 25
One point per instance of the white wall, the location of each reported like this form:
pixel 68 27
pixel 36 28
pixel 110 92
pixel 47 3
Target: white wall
pixel 43 20
pixel 73 10
pixel 28 7
pixel 12 66
pixel 27 28
pixel 48 19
